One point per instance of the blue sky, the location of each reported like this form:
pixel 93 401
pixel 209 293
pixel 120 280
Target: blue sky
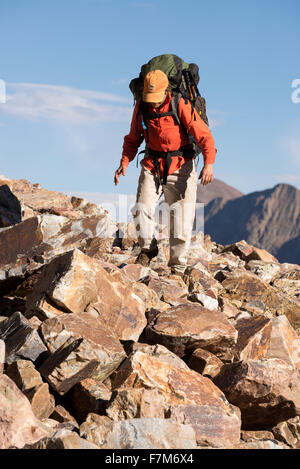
pixel 67 64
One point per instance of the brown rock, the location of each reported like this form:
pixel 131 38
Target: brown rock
pixel 23 373
pixel 42 402
pixel 198 282
pixel 168 289
pixel 2 355
pixel 185 328
pixel 62 439
pixel 182 387
pixel 18 424
pixel 205 363
pixel 284 342
pixel 150 434
pixel 247 252
pixel 21 339
pixel 89 396
pixel 135 272
pixel 96 428
pixel 264 270
pixel 259 297
pixel 83 283
pixel 253 338
pixel 266 391
pixel 252 435
pixel 148 296
pixel 81 348
pixel 61 415
pixel 136 403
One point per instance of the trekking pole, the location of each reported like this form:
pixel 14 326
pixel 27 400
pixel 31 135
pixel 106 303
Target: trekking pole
pixel 188 81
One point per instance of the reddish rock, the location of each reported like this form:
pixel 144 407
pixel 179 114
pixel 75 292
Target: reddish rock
pixel 96 428
pixel 2 355
pixel 253 338
pixel 42 402
pixel 205 363
pixel 184 389
pixel 21 339
pixel 18 425
pixel 150 434
pixel 62 439
pixel 258 296
pixel 267 391
pixel 61 415
pixel 168 289
pixel 136 403
pixel 83 283
pixel 184 328
pixel 80 348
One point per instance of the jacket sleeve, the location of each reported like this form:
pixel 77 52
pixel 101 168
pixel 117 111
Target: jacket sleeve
pixel 133 140
pixel 197 127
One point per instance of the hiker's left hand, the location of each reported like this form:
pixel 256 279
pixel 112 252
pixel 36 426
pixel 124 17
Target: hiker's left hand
pixel 206 174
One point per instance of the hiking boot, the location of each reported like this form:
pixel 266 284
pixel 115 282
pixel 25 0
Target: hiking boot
pixel 144 257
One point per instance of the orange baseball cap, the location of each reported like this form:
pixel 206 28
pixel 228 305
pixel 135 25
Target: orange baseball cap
pixel 155 85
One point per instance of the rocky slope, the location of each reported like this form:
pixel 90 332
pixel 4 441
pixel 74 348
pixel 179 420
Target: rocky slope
pixel 269 219
pixel 97 352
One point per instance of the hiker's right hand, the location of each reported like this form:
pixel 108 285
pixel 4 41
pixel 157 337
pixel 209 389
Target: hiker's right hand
pixel 121 170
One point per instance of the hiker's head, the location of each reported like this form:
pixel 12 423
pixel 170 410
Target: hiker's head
pixel 155 87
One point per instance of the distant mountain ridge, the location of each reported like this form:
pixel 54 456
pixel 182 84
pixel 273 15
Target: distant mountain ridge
pixel 216 189
pixel 269 219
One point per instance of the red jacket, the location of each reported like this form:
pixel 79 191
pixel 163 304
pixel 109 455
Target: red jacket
pixel 165 134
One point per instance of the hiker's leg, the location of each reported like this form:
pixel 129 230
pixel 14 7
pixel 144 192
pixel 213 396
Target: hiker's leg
pixel 180 194
pixel 144 210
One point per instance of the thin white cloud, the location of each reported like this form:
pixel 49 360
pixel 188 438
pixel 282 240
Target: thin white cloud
pixel 65 105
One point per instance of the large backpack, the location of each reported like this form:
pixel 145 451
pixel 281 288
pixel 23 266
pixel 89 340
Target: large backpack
pixel 183 79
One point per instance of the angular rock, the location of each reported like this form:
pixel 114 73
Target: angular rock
pixel 136 403
pixel 180 386
pixel 267 391
pixel 247 252
pixel 259 297
pixel 264 270
pixel 80 348
pixel 10 207
pixel 23 373
pixel 61 415
pixel 42 402
pixel 284 342
pixel 254 335
pixel 62 439
pixel 148 296
pixel 184 328
pixel 73 282
pixel 199 281
pixel 288 432
pixel 18 425
pixel 21 339
pixel 89 396
pixel 150 434
pixel 96 428
pixel 135 272
pixel 204 363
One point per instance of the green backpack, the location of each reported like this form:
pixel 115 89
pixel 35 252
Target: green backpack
pixel 183 79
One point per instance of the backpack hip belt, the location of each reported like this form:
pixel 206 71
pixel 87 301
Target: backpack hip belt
pixel 185 151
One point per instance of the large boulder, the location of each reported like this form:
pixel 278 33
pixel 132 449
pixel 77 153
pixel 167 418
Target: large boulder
pixel 73 283
pixel 18 425
pixel 80 348
pixel 184 328
pixel 267 391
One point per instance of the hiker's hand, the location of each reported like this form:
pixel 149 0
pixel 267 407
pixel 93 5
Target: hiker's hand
pixel 120 170
pixel 206 174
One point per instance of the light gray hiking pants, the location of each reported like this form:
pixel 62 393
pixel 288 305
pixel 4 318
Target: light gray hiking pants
pixel 180 198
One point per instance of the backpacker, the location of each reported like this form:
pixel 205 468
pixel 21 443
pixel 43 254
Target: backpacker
pixel 183 79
